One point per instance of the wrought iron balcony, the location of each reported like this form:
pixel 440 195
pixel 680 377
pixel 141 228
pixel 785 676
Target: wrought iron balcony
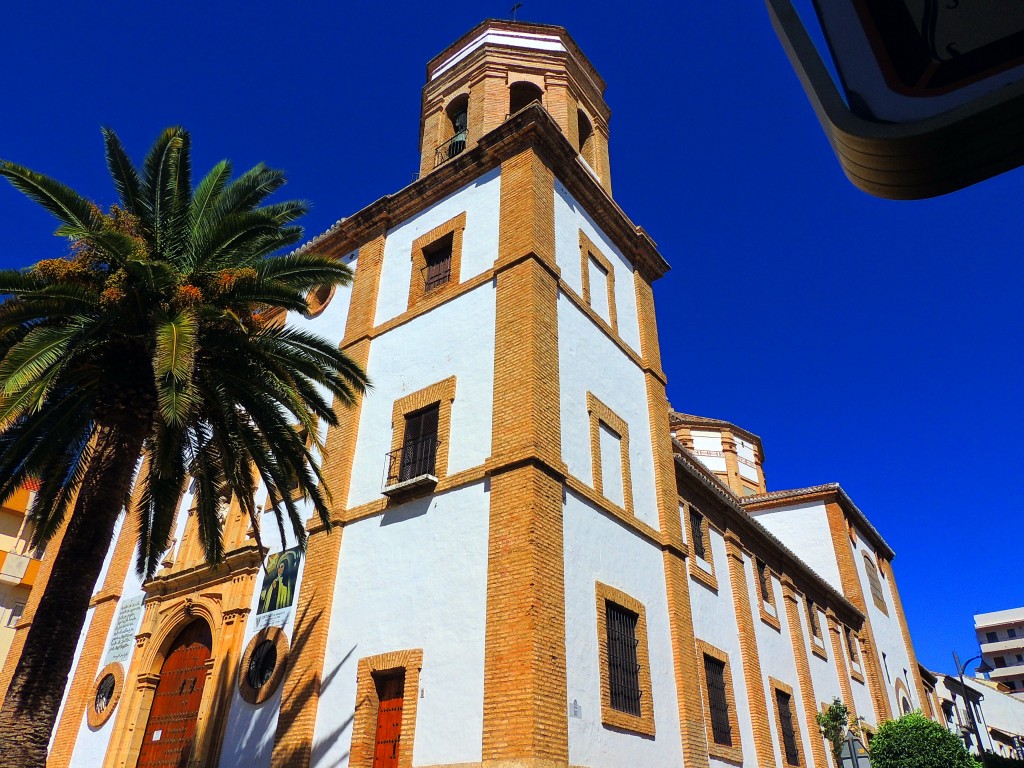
pixel 411 466
pixel 449 149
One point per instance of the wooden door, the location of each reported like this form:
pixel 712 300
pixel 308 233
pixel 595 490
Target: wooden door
pixel 391 699
pixel 171 729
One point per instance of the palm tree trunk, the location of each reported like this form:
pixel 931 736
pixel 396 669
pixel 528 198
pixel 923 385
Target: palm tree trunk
pixel 29 711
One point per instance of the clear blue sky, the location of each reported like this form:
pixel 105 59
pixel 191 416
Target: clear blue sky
pixel 868 342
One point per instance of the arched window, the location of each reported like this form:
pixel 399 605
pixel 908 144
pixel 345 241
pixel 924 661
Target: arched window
pixel 588 145
pixel 456 129
pixel 522 94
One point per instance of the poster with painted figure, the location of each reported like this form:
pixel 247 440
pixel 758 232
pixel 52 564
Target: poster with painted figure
pixel 278 590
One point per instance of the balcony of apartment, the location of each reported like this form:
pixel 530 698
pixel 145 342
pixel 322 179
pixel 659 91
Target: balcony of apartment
pixel 1009 672
pixel 19 562
pixel 1012 645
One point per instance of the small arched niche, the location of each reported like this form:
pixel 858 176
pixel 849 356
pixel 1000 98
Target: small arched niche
pixel 588 141
pixel 522 94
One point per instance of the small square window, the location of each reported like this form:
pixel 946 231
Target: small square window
pixel 1000 661
pixel 1011 633
pixel 991 637
pixel 438 258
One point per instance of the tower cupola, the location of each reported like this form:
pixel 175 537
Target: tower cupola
pixel 501 67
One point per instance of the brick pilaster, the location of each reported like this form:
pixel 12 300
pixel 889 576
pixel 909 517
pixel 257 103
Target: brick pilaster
pixel 759 716
pixel 105 602
pixel 805 683
pixel 840 661
pixel 854 592
pixel 684 649
pixel 525 689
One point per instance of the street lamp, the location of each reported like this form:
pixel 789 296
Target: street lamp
pixel 963 692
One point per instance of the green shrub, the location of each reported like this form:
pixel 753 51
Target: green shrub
pixel 914 741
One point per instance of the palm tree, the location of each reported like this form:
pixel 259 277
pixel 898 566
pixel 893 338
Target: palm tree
pixel 152 350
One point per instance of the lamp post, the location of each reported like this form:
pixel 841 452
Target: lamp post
pixel 963 692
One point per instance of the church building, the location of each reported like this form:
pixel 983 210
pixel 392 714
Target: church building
pixel 535 563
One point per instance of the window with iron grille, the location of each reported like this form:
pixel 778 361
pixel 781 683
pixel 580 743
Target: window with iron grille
pixel 785 704
pixel 812 618
pixel 763 580
pixel 697 534
pixel 718 701
pixel 419 443
pixel 851 645
pixel 623 669
pixel 438 258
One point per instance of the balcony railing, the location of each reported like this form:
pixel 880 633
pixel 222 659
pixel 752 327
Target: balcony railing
pixel 449 149
pixel 411 466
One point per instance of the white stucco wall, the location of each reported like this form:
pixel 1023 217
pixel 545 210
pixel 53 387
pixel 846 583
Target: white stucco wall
pixel 599 549
pixel 480 200
pixel 589 362
pixel 745 453
pixel 414 577
pixel 707 442
pixel 886 629
pixel 455 339
pixel 803 528
pixel 570 218
pixel 824 677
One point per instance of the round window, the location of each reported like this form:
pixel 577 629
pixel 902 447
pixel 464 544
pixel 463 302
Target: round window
pixel 104 693
pixel 318 299
pixel 261 664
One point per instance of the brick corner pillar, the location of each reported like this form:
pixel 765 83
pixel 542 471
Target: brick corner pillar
pixel 525 691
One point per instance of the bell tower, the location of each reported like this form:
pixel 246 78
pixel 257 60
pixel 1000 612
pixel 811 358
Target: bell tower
pixel 497 69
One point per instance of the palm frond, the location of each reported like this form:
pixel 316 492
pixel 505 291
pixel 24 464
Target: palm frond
pixel 206 195
pixel 64 203
pixel 123 172
pixel 157 183
pixel 42 348
pixel 18 282
pixel 163 480
pixel 305 270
